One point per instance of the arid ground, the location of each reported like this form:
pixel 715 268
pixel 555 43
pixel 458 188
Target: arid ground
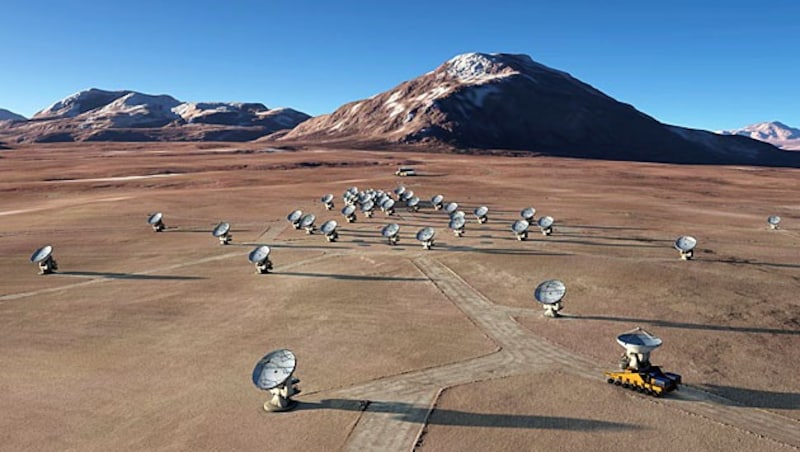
pixel 147 341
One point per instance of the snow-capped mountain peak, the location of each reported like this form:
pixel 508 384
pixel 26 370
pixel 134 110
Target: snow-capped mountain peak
pixel 773 132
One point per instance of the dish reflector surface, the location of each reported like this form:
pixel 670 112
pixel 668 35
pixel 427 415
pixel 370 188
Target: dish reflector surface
pixel 41 254
pixel 154 218
pixel 390 230
pixel 348 210
pixel 545 222
pixel 457 223
pixel 307 220
pixel 481 211
pixel 258 254
pixel 685 243
pixel 520 226
pixel 274 369
pixel 639 341
pixel 774 220
pixel 528 213
pixel 425 234
pixel 328 226
pixel 221 229
pixel 550 291
pixel 451 207
pixel 295 215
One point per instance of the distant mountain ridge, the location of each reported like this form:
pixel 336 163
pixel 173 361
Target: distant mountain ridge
pixel 100 115
pixel 508 101
pixel 773 132
pixel 6 115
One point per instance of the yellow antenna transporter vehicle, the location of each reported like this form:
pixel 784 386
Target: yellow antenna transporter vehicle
pixel 636 371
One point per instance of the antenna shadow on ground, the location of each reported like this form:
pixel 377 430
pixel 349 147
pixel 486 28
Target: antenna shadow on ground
pixel 107 275
pixel 756 398
pixel 419 415
pixel 348 277
pixel 688 326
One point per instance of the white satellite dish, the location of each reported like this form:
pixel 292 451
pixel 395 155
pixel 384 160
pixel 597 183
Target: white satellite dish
pixel 546 224
pixel 638 344
pixel 327 201
pixel 349 212
pixel 307 222
pixel 457 225
pixel 367 208
pixel 223 232
pixel 425 235
pixel 260 258
pixel 408 194
pixel 458 213
pixel 399 191
pixel 451 207
pixel 156 220
pixel 437 202
pixel 774 221
pixel 43 257
pixel 413 204
pixel 274 373
pixel 294 218
pixel 388 206
pixel 549 294
pixel 481 214
pixel 329 229
pixel 685 244
pixel 391 231
pixel 520 228
pixel 527 214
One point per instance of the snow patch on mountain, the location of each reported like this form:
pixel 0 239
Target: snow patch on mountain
pixel 773 132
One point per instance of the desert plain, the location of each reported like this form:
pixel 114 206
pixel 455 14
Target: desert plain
pixel 147 341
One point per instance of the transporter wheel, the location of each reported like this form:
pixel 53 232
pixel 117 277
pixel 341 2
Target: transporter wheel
pixel 618 382
pixel 610 380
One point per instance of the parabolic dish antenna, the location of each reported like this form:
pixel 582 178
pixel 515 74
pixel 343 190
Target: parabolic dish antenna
pixel 348 210
pixel 426 234
pixel 399 190
pixel 437 201
pixel 481 211
pixel 685 243
pixel 42 254
pixel 458 214
pixel 520 226
pixel 413 203
pixel 528 213
pixel 259 254
pixel 367 206
pixel 353 190
pixel 549 294
pixel 156 218
pixel 295 216
pixel 221 229
pixel 774 221
pixel 457 225
pixel 388 204
pixel 307 220
pixel 327 198
pixel 390 230
pixel 328 226
pixel 638 341
pixel 550 291
pixel 546 224
pixel 273 373
pixel 451 207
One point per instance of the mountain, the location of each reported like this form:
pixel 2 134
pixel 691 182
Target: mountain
pixel 507 101
pixel 6 115
pixel 773 132
pixel 100 115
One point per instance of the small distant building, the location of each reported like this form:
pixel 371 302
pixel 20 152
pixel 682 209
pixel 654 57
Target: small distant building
pixel 405 171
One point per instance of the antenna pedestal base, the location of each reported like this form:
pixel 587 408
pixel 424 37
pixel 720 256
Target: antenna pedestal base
pixel 264 267
pixel 281 397
pixel 393 240
pixel 522 236
pixel 551 310
pixel 687 255
pixel 773 226
pixel 427 245
pixel 158 227
pixel 482 220
pixel 368 214
pixel 547 231
pixel 458 232
pixel 332 237
pixel 225 239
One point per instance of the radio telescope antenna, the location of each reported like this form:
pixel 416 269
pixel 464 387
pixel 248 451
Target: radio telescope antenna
pixel 408 194
pixel 349 212
pixel 549 294
pixel 43 257
pixel 388 206
pixel 223 232
pixel 527 214
pixel 329 229
pixel 413 204
pixel 295 217
pixel 307 223
pixel 391 232
pixel 774 221
pixel 481 214
pixel 638 344
pixel 546 224
pixel 457 225
pixel 425 235
pixel 685 244
pixel 156 220
pixel 260 258
pixel 274 373
pixel 437 202
pixel 399 191
pixel 327 201
pixel 368 208
pixel 450 208
pixel 520 228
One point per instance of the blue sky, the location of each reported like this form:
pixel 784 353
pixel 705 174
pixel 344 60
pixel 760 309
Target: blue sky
pixel 713 66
